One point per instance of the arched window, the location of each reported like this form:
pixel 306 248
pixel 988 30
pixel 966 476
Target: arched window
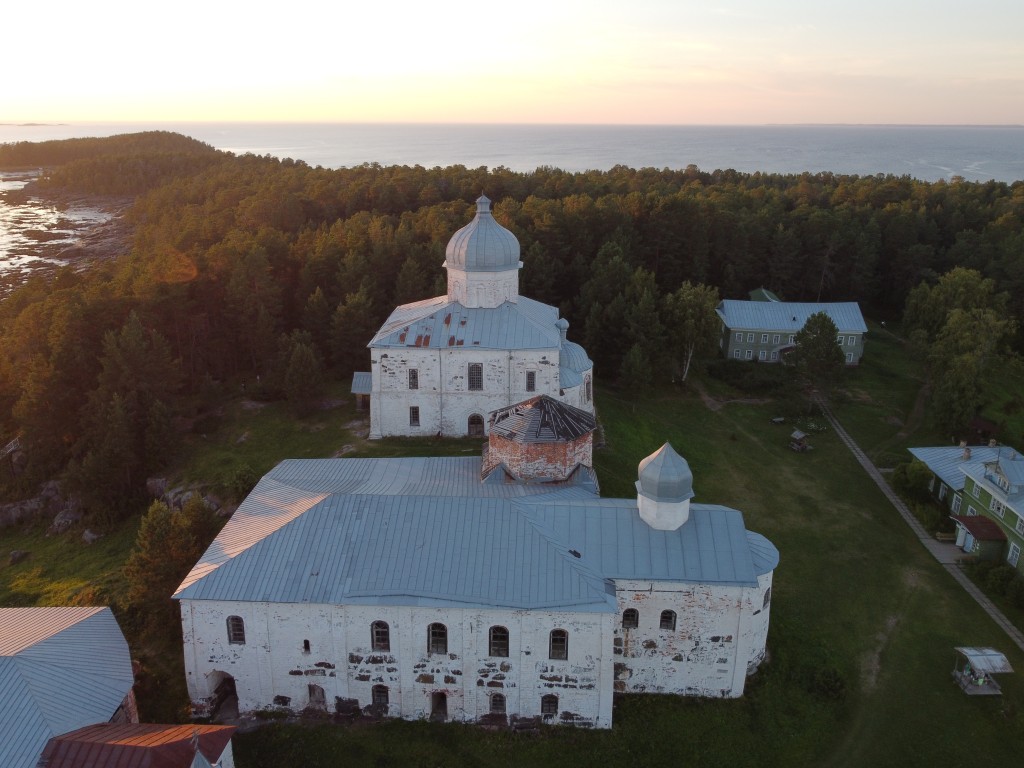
pixel 497 642
pixel 380 636
pixel 305 646
pixel 379 696
pixel 236 630
pixel 549 705
pixel 668 620
pixel 630 618
pixel 497 704
pixel 476 425
pixel 767 598
pixel 437 638
pixel 558 644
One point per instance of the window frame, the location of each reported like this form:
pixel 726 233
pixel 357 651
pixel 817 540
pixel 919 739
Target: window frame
pixel 380 696
pixel 764 338
pixel 762 355
pixel 437 638
pixel 498 704
pixel 475 377
pixel 750 337
pixel 496 644
pixel 1013 556
pixel 549 705
pixel 841 340
pixel 739 335
pixel 380 636
pixel 737 354
pixel 236 630
pixel 630 618
pixel 476 428
pixel 414 415
pixel 749 355
pixel 414 378
pixel 531 381
pixel 558 645
pixel 957 501
pixel 668 620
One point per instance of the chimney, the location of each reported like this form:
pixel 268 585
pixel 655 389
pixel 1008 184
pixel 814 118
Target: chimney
pixel 967 453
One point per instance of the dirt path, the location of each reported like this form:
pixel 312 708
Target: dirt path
pixel 714 404
pixel 916 416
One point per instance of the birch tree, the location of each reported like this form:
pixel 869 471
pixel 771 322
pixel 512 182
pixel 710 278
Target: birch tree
pixel 691 323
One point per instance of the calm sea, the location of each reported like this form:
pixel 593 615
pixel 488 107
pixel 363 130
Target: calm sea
pixel 928 153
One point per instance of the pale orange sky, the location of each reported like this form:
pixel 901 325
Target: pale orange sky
pixel 647 61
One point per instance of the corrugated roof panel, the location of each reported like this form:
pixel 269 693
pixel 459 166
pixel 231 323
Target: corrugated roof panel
pixel 789 316
pixel 947 461
pixel 439 324
pixel 83 649
pixel 711 547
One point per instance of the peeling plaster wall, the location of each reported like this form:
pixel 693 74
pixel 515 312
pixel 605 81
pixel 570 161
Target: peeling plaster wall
pixel 720 632
pixel 272 667
pixel 443 397
pixel 552 461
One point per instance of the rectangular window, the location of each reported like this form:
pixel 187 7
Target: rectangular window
pixel 414 379
pixel 996 506
pixel 750 337
pixel 531 381
pixel 476 376
pixel 1020 525
pixel 943 488
pixel 761 355
pixel 736 354
pixel 414 415
pixel 976 490
pixel 775 355
pixel 236 630
pixel 764 338
pixel 791 339
pixel 775 338
pixel 851 340
pixel 956 504
pixel 739 335
pixel 971 511
pixel 380 695
pixel 849 357
pixel 841 340
pixel 750 354
pixel 1014 555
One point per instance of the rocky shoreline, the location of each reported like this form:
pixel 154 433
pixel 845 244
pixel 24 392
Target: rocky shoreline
pixel 95 242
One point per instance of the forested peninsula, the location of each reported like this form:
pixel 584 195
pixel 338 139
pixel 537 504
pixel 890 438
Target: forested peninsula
pixel 274 273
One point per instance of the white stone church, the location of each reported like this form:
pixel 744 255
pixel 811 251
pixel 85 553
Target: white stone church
pixel 488 591
pixel 440 366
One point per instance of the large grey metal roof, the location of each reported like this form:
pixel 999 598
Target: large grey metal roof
pixel 442 324
pixel 710 548
pixel 788 316
pixel 428 532
pixel 60 669
pixel 947 461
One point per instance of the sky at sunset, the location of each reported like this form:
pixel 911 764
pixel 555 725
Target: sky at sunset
pixel 531 61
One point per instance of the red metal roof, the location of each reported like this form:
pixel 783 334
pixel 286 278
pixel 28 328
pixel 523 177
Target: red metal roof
pixel 135 745
pixel 980 527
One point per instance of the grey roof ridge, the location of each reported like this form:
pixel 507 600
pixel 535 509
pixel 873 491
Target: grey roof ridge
pixel 575 561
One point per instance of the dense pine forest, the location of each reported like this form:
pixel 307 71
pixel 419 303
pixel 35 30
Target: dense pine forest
pixel 276 274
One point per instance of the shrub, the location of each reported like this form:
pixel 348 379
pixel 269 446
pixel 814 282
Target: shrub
pixel 1000 578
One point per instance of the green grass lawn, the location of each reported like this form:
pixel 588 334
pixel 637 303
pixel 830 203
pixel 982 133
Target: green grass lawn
pixel 863 621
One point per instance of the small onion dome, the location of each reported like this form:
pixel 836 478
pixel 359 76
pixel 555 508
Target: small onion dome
pixel 483 245
pixel 665 476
